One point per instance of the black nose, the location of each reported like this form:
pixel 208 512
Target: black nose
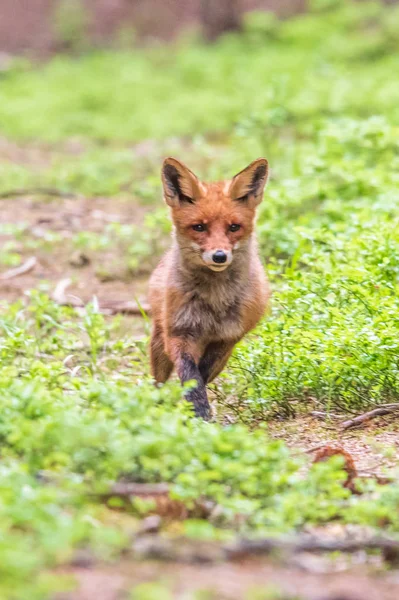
pixel 219 257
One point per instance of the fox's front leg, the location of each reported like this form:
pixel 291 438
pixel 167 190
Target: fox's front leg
pixel 186 354
pixel 214 359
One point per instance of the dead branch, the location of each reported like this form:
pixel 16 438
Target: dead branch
pixel 309 544
pixel 182 550
pixel 44 191
pixel 108 307
pixel 21 270
pixel 61 297
pixel 123 307
pixel 377 412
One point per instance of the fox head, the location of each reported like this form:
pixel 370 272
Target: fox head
pixel 213 220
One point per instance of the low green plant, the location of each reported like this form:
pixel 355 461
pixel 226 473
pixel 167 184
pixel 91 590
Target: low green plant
pixel 332 331
pixel 67 434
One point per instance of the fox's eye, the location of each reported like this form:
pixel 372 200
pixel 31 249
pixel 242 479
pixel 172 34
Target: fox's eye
pixel 199 227
pixel 234 227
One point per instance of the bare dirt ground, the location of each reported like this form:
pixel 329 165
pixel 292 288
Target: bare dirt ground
pixel 374 447
pixel 238 581
pixel 66 217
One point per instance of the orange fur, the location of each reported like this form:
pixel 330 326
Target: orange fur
pixel 201 305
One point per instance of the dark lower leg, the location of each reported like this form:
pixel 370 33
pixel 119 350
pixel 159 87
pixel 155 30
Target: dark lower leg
pixel 188 371
pixel 214 359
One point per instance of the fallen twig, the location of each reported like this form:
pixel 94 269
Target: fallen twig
pixel 124 307
pixel 309 544
pixel 45 191
pixel 61 297
pixel 21 270
pixel 108 307
pixel 156 547
pixel 377 412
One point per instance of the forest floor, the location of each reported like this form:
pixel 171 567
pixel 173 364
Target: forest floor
pixel 47 229
pixel 40 219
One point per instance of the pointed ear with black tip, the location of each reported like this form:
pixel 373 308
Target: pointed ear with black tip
pixel 248 185
pixel 180 185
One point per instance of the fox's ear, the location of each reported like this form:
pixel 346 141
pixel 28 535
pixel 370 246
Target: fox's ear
pixel 248 185
pixel 179 183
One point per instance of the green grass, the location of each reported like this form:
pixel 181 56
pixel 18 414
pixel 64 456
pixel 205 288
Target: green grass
pixel 67 434
pixel 76 417
pixel 334 329
pixel 316 95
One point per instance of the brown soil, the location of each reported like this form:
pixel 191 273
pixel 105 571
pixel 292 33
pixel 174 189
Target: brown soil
pixel 67 217
pixel 373 447
pixel 237 581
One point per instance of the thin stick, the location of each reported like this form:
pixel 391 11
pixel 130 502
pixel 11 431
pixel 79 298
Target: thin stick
pixel 21 270
pixel 61 297
pixel 127 307
pixel 377 412
pixel 110 307
pixel 45 191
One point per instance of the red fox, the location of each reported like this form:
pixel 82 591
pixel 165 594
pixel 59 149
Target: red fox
pixel 210 289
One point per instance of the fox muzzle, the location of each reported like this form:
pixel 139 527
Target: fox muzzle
pixel 217 260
